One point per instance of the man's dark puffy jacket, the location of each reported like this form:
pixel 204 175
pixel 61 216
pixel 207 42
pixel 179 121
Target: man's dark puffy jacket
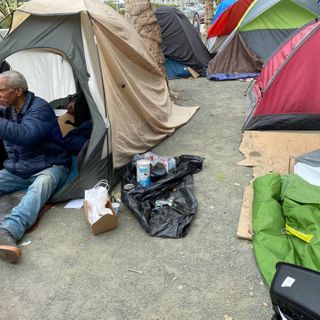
pixel 34 142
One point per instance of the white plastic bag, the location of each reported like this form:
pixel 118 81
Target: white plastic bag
pixel 97 197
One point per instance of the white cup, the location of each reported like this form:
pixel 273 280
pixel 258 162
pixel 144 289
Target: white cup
pixel 116 208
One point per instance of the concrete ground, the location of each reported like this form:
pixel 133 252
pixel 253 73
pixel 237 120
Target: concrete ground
pixel 67 273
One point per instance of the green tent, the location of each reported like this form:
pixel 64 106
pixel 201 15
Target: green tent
pixel 286 223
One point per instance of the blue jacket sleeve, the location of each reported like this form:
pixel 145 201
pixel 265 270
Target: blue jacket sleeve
pixel 34 127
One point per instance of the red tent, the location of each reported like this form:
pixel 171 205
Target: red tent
pixel 229 19
pixel 285 95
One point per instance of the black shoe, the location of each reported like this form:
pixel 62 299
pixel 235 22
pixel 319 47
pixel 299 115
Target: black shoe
pixel 9 250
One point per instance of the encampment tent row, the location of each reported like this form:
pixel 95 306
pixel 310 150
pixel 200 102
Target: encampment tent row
pixel 262 29
pixel 65 46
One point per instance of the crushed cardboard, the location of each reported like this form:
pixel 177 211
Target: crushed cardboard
pixel 270 151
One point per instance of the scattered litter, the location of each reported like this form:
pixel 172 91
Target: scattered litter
pixel 157 217
pixel 164 202
pixel 180 287
pixel 226 317
pixel 117 196
pixel 25 243
pixel 74 204
pixel 246 80
pixel 135 271
pixel 175 278
pixel 211 207
pixel 157 162
pixel 236 184
pixel 220 178
pixel 116 207
pixel 251 293
pixel 265 304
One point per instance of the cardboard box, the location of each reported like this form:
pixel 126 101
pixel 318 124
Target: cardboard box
pixel 65 127
pixel 105 223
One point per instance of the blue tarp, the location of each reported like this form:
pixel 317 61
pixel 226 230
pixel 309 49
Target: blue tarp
pixel 231 76
pixel 175 69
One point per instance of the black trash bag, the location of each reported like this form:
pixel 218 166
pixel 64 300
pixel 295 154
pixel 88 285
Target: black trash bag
pixel 168 206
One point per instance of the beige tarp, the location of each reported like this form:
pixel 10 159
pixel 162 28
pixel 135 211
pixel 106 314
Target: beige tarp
pixel 56 7
pixel 138 104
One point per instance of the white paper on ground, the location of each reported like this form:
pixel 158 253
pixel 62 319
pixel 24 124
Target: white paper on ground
pixel 74 204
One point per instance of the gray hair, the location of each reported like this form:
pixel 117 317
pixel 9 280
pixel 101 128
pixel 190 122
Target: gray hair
pixel 16 80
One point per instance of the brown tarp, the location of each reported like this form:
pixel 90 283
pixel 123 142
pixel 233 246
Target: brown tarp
pixel 235 57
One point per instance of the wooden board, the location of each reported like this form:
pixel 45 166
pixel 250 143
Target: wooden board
pixel 194 73
pixel 270 151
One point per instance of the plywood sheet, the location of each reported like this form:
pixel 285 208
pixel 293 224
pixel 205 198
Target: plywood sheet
pixel 270 151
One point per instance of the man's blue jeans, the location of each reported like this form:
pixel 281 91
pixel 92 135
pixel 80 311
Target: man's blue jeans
pixel 40 188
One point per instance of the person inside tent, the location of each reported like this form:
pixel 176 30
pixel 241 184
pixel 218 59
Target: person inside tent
pixel 77 138
pixel 37 158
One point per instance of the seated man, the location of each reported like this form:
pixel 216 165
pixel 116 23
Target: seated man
pixel 37 159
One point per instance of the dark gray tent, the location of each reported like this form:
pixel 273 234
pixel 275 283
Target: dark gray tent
pixel 181 41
